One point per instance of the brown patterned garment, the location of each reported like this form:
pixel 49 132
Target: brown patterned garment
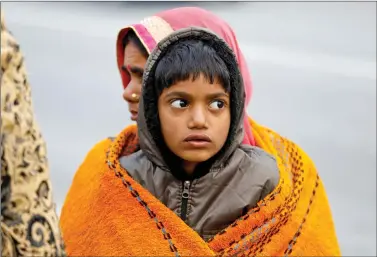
pixel 29 224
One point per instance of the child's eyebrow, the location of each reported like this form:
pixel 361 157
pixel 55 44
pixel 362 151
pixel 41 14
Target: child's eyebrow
pixel 217 95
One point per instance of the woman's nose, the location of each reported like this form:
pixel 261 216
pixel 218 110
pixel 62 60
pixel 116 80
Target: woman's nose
pixel 132 92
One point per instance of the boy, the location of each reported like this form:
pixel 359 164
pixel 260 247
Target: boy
pixel 190 188
pixel 190 132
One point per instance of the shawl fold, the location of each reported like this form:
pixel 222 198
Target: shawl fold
pixel 107 213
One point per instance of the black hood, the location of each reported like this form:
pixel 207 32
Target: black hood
pixel 151 140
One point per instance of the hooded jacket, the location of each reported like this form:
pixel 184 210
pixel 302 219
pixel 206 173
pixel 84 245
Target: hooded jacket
pixel 113 211
pixel 238 177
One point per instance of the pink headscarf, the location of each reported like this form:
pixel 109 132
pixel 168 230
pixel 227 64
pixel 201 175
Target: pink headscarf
pixel 152 29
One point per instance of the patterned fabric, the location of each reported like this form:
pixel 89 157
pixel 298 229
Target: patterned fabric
pixel 29 224
pixel 294 220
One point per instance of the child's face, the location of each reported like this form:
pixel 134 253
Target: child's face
pixel 195 119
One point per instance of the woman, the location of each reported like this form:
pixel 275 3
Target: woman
pixel 108 213
pixel 29 224
pixel 133 51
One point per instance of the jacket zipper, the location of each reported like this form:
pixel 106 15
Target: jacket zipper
pixel 185 197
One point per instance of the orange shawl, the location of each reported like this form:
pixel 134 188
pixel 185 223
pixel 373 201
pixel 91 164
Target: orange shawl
pixel 107 213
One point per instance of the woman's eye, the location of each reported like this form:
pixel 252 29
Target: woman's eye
pixel 136 76
pixel 217 104
pixel 179 103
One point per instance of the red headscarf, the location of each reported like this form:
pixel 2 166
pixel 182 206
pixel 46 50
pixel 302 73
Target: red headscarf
pixel 152 29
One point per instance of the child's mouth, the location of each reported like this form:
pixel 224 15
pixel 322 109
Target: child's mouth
pixel 198 140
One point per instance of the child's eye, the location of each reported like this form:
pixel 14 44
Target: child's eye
pixel 217 104
pixel 179 103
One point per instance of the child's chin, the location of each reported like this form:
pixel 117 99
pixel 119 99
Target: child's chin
pixel 196 156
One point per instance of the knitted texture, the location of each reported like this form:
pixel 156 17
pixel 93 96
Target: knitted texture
pixel 107 213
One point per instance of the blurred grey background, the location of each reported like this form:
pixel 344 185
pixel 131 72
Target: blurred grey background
pixel 314 70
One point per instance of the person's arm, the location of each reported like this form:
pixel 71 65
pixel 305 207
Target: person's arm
pixel 29 224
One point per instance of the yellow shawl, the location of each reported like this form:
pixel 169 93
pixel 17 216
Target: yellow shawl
pixel 107 213
pixel 29 224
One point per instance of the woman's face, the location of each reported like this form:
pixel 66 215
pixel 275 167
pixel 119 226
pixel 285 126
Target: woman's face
pixel 133 64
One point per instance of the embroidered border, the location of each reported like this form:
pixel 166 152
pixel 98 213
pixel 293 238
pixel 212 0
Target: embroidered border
pixel 252 237
pixel 289 249
pixel 283 212
pixel 115 166
pixel 257 239
pixel 290 204
pixel 252 211
pixel 157 27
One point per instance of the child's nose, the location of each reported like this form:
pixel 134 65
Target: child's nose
pixel 198 118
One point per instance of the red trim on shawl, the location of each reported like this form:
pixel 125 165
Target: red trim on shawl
pixel 146 39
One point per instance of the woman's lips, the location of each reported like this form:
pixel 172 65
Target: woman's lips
pixel 133 115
